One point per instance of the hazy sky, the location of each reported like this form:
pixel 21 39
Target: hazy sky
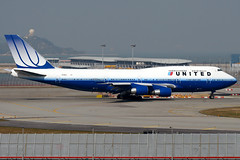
pixel 159 28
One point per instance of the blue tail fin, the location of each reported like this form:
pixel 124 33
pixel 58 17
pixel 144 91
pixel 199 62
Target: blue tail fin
pixel 24 55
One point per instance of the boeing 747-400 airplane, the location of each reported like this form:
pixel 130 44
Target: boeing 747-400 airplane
pixel 127 83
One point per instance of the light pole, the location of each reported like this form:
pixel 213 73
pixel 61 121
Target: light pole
pixel 172 142
pixel 133 46
pixel 103 46
pixel 23 145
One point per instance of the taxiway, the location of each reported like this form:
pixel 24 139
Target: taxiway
pixel 59 106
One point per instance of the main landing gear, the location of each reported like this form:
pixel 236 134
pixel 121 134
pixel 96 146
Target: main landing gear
pixel 211 95
pixel 129 97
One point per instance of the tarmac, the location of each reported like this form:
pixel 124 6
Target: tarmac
pixel 60 108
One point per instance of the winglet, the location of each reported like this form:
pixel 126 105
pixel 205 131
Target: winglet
pixel 24 55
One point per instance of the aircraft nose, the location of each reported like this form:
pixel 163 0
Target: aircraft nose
pixel 234 80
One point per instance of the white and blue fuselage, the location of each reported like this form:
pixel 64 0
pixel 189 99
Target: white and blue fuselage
pixel 178 78
pixel 160 81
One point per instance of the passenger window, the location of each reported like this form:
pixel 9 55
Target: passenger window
pixel 219 69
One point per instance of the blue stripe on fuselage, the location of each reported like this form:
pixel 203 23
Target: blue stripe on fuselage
pixel 181 85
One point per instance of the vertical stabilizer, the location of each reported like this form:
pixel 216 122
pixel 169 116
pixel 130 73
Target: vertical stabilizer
pixel 24 55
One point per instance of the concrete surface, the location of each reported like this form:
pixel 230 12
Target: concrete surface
pixel 63 106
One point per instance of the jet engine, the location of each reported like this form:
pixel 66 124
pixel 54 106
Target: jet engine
pixel 139 90
pixel 161 91
pixel 151 90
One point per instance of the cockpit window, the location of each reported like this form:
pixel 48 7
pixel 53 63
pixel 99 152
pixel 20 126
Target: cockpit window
pixel 219 69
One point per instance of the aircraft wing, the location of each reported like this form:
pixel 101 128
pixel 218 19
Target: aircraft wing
pixel 163 89
pixel 125 86
pixel 168 85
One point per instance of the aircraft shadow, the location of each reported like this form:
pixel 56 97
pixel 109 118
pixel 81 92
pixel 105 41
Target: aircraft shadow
pixel 142 100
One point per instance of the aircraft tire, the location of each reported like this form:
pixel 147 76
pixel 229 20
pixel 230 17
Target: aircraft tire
pixel 211 97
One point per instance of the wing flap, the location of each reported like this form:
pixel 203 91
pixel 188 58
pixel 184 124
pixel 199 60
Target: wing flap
pixel 168 85
pixel 121 84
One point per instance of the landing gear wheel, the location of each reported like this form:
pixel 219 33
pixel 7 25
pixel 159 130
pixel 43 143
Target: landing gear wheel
pixel 122 96
pixel 139 98
pixel 211 95
pixel 119 96
pixel 129 97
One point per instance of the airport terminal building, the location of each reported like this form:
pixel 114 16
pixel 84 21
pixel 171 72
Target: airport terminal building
pixel 118 62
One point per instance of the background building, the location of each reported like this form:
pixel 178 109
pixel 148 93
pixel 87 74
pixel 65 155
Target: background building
pixel 117 62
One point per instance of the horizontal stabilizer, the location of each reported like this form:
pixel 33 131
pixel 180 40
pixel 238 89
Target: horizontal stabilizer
pixel 28 73
pixel 8 70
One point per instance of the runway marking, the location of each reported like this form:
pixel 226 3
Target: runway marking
pixel 8 115
pixel 213 128
pixel 153 126
pixel 179 114
pixel 55 111
pixel 5 114
pixel 61 122
pixel 32 107
pixel 103 124
pixel 40 109
pixel 24 118
pixel 83 105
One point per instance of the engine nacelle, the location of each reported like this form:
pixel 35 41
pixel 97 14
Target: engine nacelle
pixel 156 92
pixel 153 90
pixel 162 91
pixel 139 90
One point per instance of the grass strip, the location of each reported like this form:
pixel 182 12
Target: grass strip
pixel 233 112
pixel 16 130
